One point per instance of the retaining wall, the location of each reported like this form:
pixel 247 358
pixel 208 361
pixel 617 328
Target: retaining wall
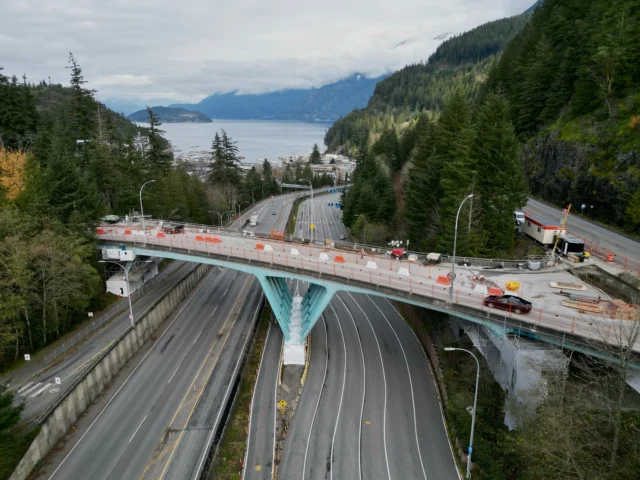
pixel 63 414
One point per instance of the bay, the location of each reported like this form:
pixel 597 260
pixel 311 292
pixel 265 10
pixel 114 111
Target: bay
pixel 256 139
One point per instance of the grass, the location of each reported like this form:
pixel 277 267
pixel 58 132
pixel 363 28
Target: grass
pixel 291 224
pixel 228 463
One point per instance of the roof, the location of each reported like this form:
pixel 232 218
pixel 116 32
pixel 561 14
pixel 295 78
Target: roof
pixel 545 222
pixel 571 239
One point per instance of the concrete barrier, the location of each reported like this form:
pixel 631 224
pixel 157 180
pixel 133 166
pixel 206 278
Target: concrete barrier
pixel 61 415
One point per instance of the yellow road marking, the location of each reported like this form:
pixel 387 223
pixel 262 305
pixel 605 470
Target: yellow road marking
pixel 164 470
pixel 368 422
pixel 258 468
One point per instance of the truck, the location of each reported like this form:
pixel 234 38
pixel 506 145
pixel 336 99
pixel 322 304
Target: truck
pixel 253 221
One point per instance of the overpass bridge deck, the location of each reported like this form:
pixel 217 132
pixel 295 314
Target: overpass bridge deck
pixel 402 280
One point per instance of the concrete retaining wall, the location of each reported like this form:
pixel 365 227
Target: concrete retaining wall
pixel 59 418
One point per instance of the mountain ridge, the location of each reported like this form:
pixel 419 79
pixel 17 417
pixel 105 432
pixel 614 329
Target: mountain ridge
pixel 171 115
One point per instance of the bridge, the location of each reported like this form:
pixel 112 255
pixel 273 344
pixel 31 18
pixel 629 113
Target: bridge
pixel 328 270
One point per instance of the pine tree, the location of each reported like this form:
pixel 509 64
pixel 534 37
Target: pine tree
pixel 315 155
pixel 157 157
pixel 81 115
pixel 225 170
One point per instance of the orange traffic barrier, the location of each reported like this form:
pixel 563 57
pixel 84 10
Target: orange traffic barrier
pixel 100 231
pixel 199 238
pixel 495 291
pixel 208 239
pixel 127 232
pixel 160 235
pixel 259 246
pixel 339 259
pixel 215 240
pixel 610 257
pixel 442 280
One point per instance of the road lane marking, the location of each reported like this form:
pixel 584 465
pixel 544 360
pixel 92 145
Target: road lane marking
pixel 253 397
pixel 344 381
pixel 26 385
pixel 413 400
pixel 176 371
pixel 326 367
pixel 134 433
pixel 134 371
pixel 364 385
pixel 182 430
pixel 37 393
pixel 433 376
pixel 384 379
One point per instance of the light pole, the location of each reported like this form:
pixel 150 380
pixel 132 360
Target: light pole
pixel 142 211
pixel 312 210
pixel 126 276
pixel 240 206
pixel 219 216
pixel 455 241
pixel 475 401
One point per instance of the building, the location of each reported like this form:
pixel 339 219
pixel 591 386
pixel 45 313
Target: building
pixel 542 230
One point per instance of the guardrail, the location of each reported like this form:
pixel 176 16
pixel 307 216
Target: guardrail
pixel 86 331
pixel 421 280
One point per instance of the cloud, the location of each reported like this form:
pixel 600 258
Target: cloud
pixel 142 49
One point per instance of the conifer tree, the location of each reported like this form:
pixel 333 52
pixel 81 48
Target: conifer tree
pixel 315 155
pixel 157 157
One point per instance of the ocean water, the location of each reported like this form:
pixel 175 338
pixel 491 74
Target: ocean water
pixel 256 139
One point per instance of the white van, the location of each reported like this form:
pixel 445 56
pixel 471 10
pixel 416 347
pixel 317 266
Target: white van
pixel 247 233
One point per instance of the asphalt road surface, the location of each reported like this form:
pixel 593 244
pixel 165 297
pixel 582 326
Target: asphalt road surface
pixel 41 391
pixel 258 459
pixel 326 218
pixel 618 244
pixel 369 408
pixel 118 435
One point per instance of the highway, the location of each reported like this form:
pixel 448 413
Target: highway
pixel 40 391
pixel 181 380
pixel 369 407
pixel 326 218
pixel 618 244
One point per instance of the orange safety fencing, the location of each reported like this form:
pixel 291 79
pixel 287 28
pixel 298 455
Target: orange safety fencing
pixel 609 256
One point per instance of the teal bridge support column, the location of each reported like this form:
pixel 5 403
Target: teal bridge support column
pixel 296 315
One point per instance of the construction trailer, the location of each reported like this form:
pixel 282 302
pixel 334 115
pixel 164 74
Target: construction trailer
pixel 543 230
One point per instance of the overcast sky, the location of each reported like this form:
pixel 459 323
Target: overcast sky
pixel 186 49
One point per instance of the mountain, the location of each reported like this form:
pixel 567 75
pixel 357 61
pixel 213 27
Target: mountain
pixel 326 103
pixel 171 115
pixel 463 61
pixel 572 79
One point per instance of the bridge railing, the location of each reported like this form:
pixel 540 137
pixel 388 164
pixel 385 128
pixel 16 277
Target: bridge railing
pixel 421 280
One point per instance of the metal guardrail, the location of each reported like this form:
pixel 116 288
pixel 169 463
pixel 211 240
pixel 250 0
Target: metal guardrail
pixel 85 332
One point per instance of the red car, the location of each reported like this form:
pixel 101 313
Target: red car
pixel 510 303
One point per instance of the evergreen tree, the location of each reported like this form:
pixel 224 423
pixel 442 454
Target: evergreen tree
pixel 315 155
pixel 158 159
pixel 81 115
pixel 225 170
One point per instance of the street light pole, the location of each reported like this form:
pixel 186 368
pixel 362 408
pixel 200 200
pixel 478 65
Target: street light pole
pixel 475 402
pixel 126 276
pixel 312 210
pixel 141 210
pixel 455 241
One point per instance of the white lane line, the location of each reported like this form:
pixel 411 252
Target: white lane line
pixel 204 281
pixel 34 395
pixel 413 400
pixel 275 411
pixel 31 389
pixel 313 420
pixel 344 381
pixel 226 395
pixel 25 386
pixel 173 374
pixel 364 386
pixel 384 379
pixel 253 399
pixel 212 313
pixel 134 433
pixel 433 376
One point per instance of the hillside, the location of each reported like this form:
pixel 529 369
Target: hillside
pixel 462 62
pixel 171 115
pixel 316 104
pixel 572 79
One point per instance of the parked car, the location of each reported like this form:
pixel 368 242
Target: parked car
pixel 510 303
pixel 342 236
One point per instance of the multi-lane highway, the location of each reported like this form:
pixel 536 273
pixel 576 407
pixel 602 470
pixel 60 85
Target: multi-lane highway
pixel 160 415
pixel 369 407
pixel 324 214
pixel 40 391
pixel 618 244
